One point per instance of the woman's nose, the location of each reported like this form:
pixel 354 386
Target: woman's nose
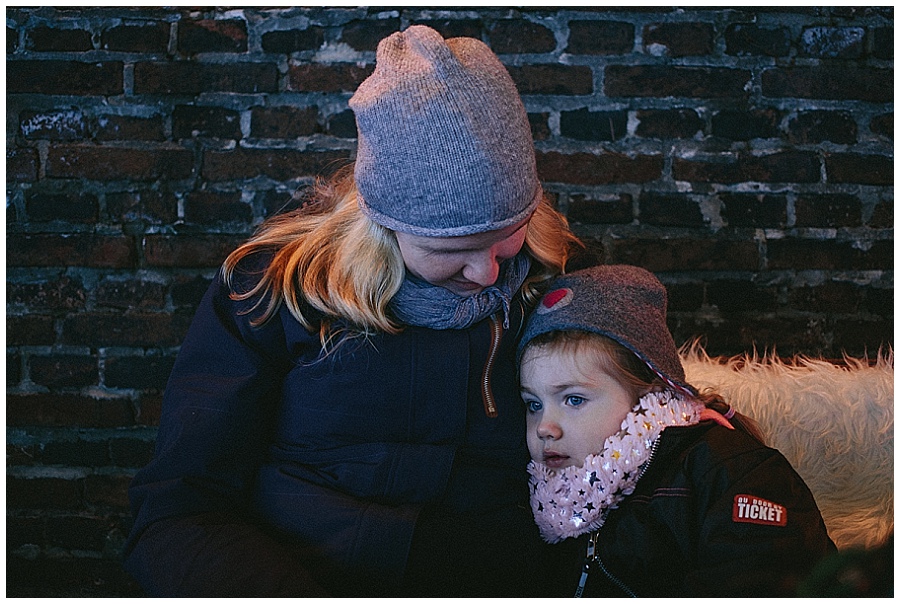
pixel 482 269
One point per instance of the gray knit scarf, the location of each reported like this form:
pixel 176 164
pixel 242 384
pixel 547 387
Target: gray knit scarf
pixel 424 305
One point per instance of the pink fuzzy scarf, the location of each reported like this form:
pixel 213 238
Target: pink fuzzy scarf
pixel 574 500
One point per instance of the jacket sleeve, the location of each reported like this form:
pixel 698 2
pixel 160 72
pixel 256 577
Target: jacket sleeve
pixel 192 533
pixel 760 531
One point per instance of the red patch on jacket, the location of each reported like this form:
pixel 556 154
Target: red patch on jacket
pixel 755 510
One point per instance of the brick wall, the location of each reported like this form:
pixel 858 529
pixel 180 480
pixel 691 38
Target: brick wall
pixel 745 156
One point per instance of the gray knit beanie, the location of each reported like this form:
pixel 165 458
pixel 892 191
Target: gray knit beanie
pixel 624 303
pixel 445 146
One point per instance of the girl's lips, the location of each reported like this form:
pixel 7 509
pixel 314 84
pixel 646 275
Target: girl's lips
pixel 552 459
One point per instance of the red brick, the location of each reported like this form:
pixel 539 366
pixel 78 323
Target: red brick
pixel 540 128
pixel 189 78
pixel 284 122
pixel 213 207
pixel 861 337
pixel 737 296
pixel 43 493
pixel 130 452
pixel 365 35
pixel 828 211
pixel 139 329
pixel 590 169
pixel 883 125
pixel 820 126
pixel 150 409
pixel 277 164
pixel 145 38
pixel 53 39
pixel 212 35
pixel 213 122
pixel 519 36
pixel 666 209
pixel 21 164
pixel 320 77
pixel 810 254
pixel 747 125
pixel 668 123
pixel 140 207
pixel 882 215
pixel 30 330
pixel 67 452
pixel 24 529
pixel 195 251
pixel 686 254
pixel 77 532
pixel 127 128
pixel 787 166
pixel 68 207
pixel 63 370
pixel 130 293
pixel 13 370
pixel 294 40
pixel 754 210
pixel 679 39
pixel 453 28
pixel 81 249
pixel 748 39
pixel 119 163
pixel 68 410
pixel 587 125
pixel 107 490
pixel 600 37
pixel 42 292
pixel 12 40
pixel 883 43
pixel 828 297
pixel 553 79
pixel 829 82
pixel 64 77
pixel 859 169
pixel 667 81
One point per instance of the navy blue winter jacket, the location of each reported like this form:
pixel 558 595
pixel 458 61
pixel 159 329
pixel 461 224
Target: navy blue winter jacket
pixel 374 471
pixel 715 514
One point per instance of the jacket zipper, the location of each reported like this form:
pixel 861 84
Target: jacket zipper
pixel 487 394
pixel 594 556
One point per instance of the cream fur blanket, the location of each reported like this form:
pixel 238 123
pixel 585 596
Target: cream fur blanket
pixel 834 423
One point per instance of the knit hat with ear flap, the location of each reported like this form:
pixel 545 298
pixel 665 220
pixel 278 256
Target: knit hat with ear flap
pixel 445 147
pixel 624 303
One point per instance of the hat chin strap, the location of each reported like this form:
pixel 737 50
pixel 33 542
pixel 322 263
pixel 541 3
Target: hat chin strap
pixel 572 501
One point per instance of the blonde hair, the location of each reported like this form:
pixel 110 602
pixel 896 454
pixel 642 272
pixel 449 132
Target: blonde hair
pixel 630 370
pixel 328 256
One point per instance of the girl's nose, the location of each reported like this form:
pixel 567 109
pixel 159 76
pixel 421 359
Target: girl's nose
pixel 549 430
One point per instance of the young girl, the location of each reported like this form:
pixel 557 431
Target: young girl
pixel 343 417
pixel 637 493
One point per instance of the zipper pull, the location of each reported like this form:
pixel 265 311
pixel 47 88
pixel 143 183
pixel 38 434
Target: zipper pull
pixel 588 562
pixel 487 393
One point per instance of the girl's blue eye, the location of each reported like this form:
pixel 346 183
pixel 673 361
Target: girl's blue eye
pixel 534 406
pixel 574 400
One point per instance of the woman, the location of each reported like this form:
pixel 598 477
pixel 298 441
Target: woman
pixel 343 417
